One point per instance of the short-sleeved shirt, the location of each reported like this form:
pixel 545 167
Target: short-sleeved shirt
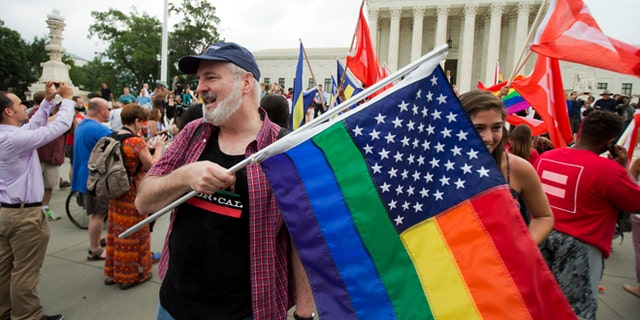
pixel 86 135
pixel 105 94
pixel 127 98
pixel 585 192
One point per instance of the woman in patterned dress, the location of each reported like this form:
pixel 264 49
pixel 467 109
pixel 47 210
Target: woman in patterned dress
pixel 128 262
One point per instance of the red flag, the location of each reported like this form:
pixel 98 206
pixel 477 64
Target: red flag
pixel 537 127
pixel 364 64
pixel 384 72
pixel 629 138
pixel 544 91
pixel 569 32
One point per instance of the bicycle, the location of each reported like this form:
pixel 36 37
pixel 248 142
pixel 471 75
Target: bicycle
pixel 75 210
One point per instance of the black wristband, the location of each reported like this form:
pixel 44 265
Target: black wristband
pixel 297 317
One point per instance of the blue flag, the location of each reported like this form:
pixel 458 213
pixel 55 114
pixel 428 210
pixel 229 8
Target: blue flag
pixel 299 107
pixel 351 85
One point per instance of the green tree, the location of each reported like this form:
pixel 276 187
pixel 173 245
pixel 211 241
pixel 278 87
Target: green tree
pixel 37 55
pixel 134 44
pixel 89 76
pixel 14 67
pixel 197 29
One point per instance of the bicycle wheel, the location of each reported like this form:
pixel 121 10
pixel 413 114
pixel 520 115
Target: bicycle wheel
pixel 76 211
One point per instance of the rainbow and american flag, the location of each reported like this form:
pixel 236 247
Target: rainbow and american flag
pixel 398 211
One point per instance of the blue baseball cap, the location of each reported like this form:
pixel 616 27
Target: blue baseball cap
pixel 222 51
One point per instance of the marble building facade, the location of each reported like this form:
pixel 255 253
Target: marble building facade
pixel 480 33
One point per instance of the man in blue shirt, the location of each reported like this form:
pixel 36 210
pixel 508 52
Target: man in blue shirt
pixel 126 96
pixel 86 135
pixel 24 230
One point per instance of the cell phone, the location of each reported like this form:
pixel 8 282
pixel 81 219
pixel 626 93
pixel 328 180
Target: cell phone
pixel 56 85
pixel 612 149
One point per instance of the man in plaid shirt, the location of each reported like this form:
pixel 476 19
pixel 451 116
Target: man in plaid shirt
pixel 227 254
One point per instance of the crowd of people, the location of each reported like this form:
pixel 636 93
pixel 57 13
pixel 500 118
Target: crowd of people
pixel 227 253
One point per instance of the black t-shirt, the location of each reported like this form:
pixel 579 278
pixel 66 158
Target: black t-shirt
pixel 105 94
pixel 208 275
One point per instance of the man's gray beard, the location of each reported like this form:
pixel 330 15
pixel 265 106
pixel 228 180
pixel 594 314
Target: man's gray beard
pixel 225 108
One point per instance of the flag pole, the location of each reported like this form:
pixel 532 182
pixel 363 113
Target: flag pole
pixel 281 145
pixel 353 39
pixel 520 64
pixel 304 52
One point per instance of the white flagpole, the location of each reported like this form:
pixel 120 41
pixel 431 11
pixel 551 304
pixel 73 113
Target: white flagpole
pixel 534 28
pixel 165 44
pixel 290 140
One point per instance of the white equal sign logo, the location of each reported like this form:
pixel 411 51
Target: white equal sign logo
pixel 557 178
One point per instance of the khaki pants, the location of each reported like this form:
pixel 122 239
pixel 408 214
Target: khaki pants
pixel 24 235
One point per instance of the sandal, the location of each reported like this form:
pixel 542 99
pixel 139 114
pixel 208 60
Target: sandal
pixel 109 281
pixel 95 255
pixel 125 286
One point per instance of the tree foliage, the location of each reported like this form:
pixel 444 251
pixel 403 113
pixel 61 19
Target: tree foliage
pixel 14 62
pixel 37 55
pixel 132 54
pixel 134 44
pixel 197 30
pixel 89 76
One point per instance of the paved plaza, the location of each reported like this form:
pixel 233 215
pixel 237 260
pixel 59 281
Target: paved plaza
pixel 74 286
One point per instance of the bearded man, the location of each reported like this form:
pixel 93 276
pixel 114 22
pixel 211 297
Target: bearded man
pixel 228 254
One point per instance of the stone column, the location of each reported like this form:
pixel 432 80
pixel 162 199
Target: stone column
pixel 509 36
pixel 493 42
pixel 373 27
pixel 465 67
pixel 441 26
pixel 483 21
pixel 416 37
pixel 55 69
pixel 522 28
pixel 394 38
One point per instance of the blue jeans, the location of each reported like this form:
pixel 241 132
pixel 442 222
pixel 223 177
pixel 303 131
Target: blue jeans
pixel 162 314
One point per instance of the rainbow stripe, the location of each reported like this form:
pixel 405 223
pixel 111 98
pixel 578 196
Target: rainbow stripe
pixel 390 227
pixel 513 101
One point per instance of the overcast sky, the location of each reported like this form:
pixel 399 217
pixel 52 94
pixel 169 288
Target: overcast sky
pixel 259 24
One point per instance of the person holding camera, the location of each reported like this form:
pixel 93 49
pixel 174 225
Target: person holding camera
pixel 585 204
pixel 51 159
pixel 24 229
